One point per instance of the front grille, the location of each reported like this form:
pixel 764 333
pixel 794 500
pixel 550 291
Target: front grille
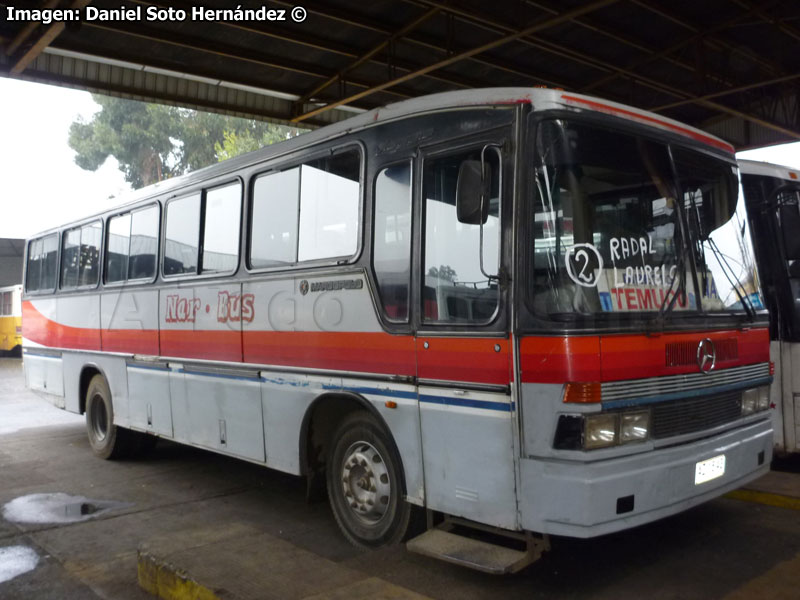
pixel 677 354
pixel 636 389
pixel 690 415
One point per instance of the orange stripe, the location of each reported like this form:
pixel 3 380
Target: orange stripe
pixel 599 106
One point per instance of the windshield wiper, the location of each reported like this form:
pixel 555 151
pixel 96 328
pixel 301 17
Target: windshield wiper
pixel 727 270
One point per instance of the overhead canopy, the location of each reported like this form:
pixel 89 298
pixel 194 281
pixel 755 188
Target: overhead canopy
pixel 730 67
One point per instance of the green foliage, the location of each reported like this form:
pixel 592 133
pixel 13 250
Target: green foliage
pixel 445 272
pixel 239 142
pixel 152 142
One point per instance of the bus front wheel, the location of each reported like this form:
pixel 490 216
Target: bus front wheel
pixel 106 439
pixel 365 484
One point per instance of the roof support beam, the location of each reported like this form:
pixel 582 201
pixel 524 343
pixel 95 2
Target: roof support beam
pixel 766 65
pixel 51 33
pixel 367 56
pixel 26 31
pixel 154 35
pixel 698 36
pixel 458 57
pixel 375 27
pixel 726 92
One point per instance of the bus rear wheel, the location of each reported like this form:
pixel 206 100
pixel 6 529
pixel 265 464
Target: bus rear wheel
pixel 365 484
pixel 106 439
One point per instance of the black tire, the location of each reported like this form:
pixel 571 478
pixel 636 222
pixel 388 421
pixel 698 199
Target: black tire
pixel 365 483
pixel 106 439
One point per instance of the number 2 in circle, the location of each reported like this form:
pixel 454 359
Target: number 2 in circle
pixel 580 257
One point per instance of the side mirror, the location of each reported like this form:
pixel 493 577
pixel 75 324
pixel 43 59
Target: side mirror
pixel 472 193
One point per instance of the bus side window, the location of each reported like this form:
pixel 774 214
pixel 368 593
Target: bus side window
pixel 144 243
pixel 49 263
pixel 329 205
pixel 89 263
pixel 273 219
pixel 307 212
pixel 119 241
pixel 33 272
pixel 223 206
pixel 182 238
pixel 454 288
pixel 392 241
pixel 70 256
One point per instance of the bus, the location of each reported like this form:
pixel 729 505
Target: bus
pixel 772 193
pixel 513 310
pixel 11 320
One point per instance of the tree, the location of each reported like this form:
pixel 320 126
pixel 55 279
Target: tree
pixel 445 272
pixel 153 142
pixel 239 142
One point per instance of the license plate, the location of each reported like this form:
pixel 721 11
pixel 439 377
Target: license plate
pixel 706 470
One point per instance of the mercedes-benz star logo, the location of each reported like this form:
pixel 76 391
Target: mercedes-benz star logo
pixel 706 356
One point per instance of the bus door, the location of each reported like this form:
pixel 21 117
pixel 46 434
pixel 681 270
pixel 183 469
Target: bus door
pixel 785 323
pixel 463 350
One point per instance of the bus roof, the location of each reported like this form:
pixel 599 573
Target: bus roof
pixel 540 99
pixel 754 167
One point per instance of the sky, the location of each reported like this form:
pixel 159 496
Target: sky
pixel 42 187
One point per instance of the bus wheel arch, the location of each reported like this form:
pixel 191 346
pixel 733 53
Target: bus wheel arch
pixel 107 440
pixel 320 422
pixel 347 446
pixel 88 373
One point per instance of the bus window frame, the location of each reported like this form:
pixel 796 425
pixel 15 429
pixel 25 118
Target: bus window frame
pixel 202 189
pixel 130 211
pixel 40 292
pixel 531 323
pixel 499 321
pixel 284 163
pixel 100 258
pixel 380 308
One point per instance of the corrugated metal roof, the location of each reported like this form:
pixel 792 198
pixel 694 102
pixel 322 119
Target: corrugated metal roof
pixel 729 67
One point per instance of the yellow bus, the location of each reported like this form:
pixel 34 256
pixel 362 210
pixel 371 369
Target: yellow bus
pixel 11 320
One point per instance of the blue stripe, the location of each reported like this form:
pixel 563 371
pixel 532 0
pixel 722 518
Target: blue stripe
pixel 375 391
pixel 695 393
pixel 254 377
pixel 485 404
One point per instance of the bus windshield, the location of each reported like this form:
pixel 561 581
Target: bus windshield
pixel 624 224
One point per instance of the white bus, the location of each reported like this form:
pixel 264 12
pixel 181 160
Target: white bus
pixel 772 193
pixel 506 307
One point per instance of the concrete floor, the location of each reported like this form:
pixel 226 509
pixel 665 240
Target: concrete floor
pixel 252 529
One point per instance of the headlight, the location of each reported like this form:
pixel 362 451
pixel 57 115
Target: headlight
pixel 763 397
pixel 600 431
pixel 634 427
pixel 749 401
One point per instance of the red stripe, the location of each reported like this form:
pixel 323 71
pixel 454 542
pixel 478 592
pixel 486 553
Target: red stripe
pixel 38 328
pixel 620 357
pixel 205 344
pixel 133 341
pixel 346 351
pixel 475 360
pixel 559 359
pixel 599 106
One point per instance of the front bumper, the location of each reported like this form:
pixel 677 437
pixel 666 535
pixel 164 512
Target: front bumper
pixel 587 499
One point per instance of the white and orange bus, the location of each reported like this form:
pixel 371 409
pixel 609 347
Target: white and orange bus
pixel 772 195
pixel 516 308
pixel 11 320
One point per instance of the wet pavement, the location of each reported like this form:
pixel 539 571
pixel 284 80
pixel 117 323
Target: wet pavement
pixel 72 525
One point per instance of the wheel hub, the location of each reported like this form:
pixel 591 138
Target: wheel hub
pixel 365 482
